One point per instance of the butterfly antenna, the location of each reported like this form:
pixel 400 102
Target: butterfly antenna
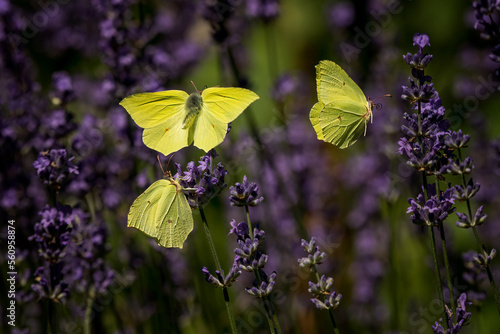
pixel 386 95
pixel 159 161
pixel 194 86
pixel 168 163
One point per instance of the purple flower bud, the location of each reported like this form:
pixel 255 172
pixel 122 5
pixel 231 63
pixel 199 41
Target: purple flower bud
pixel 421 40
pixel 455 140
pixel 464 194
pixel 208 184
pixel 54 167
pixel 245 194
pixel 211 279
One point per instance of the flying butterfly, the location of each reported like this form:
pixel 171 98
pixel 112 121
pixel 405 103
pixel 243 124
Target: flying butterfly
pixel 174 119
pixel 163 212
pixel 342 112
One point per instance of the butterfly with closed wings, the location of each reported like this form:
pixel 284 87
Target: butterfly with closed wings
pixel 342 112
pixel 163 212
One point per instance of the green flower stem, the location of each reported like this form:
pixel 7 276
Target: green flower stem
pixel 432 237
pixel 445 256
pixel 480 245
pixel 225 293
pixel 272 319
pixel 332 319
pixel 437 276
pixel 447 266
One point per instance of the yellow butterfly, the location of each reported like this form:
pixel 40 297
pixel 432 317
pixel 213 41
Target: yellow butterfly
pixel 173 119
pixel 163 212
pixel 343 111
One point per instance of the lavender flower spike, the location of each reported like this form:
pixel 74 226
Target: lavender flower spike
pixel 462 318
pixel 54 167
pixel 245 194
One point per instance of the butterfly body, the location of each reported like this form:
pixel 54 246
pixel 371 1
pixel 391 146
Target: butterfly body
pixel 341 114
pixel 173 119
pixel 194 104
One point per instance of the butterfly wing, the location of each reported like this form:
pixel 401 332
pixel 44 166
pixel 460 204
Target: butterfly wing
pixel 161 114
pixel 342 122
pixel 142 213
pixel 342 112
pixel 314 117
pixel 221 105
pixel 162 212
pixel 174 219
pixel 333 84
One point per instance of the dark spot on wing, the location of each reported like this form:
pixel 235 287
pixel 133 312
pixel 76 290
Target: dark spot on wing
pixel 166 129
pixel 170 221
pixel 343 83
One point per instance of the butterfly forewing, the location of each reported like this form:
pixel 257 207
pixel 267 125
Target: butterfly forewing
pixel 333 83
pixel 227 103
pixel 142 214
pixel 151 109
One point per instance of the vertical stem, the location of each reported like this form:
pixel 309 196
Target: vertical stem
pixel 431 229
pixel 447 266
pixel 496 293
pixel 332 319
pixel 249 222
pixel 445 256
pixel 437 276
pixel 274 325
pixel 481 246
pixel 225 293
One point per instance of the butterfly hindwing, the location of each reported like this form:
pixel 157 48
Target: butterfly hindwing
pixel 342 122
pixel 210 131
pixel 314 116
pixel 142 213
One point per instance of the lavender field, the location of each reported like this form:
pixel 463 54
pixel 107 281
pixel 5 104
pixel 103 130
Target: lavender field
pixel 395 233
